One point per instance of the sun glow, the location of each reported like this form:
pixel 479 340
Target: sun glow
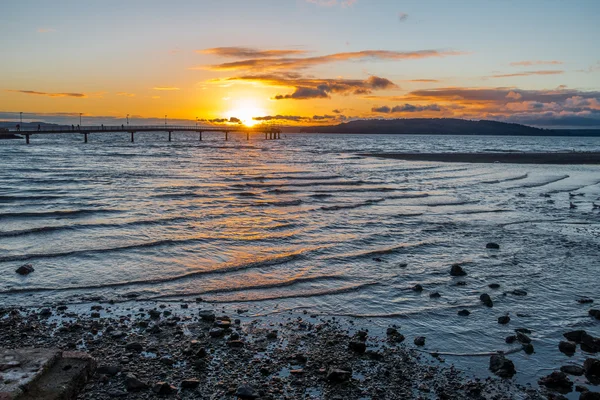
pixel 245 110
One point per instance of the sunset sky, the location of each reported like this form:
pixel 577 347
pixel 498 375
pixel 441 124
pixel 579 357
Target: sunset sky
pixel 301 61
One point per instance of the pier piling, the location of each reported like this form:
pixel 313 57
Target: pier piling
pixel 85 138
pixel 27 139
pixel 200 136
pixel 226 136
pixel 132 137
pixel 169 136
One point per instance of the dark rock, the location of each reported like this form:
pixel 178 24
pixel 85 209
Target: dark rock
pixel 207 316
pixel 592 370
pixel 222 324
pixel 272 335
pixel 25 269
pixel 581 388
pixel 357 346
pixel 464 313
pixel 117 334
pixel 572 370
pixel 568 348
pixel 374 355
pixel 492 245
pixel 362 335
pixel 377 259
pixel 134 346
pixel 502 366
pixel 216 332
pixel 486 299
pixel 574 336
pixel 594 313
pixel 201 353
pixel 235 343
pixel 528 348
pixel 391 331
pixel 589 396
pixel 558 381
pixel 184 306
pixel 494 286
pixel 95 314
pixel 190 383
pixel 338 375
pixel 110 370
pixel 590 343
pixel 163 388
pixel 461 283
pixel 518 292
pixel 417 288
pixel 523 338
pixel 457 270
pixel 585 300
pixel 234 336
pixel 505 319
pixel 133 384
pixel 246 391
pixel 167 361
pixel 154 314
pixel 420 340
pixel 45 312
pixel 510 339
pixel 435 295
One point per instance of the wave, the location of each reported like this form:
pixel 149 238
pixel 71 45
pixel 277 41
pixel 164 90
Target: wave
pixel 384 251
pixel 301 184
pixel 408 196
pixel 279 203
pixel 351 206
pixel 274 285
pixel 264 262
pixel 176 195
pixel 452 203
pixel 304 177
pixel 320 293
pixel 13 198
pixel 58 213
pixel 540 184
pixel 515 178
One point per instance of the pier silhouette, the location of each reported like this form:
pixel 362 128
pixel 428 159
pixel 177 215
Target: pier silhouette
pixel 270 133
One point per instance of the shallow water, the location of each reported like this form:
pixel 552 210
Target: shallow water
pixel 298 222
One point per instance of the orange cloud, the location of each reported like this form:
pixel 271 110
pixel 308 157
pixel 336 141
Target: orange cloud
pixel 528 73
pixel 126 94
pixel 530 63
pixel 80 95
pixel 249 52
pixel 284 63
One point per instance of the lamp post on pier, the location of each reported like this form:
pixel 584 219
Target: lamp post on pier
pixel 196 122
pixel 165 120
pixel 127 119
pixel 21 117
pixel 80 119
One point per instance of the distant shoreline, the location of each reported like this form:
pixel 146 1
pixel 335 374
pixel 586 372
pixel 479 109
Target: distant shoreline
pixel 505 158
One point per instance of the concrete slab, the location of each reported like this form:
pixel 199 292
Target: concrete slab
pixel 48 374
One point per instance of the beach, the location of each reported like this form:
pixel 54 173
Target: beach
pixel 581 158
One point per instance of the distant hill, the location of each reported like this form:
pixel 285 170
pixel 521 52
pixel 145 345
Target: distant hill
pixel 444 126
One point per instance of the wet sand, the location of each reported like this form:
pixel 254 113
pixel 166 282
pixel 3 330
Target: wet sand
pixel 506 158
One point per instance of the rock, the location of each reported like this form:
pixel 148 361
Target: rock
pixel 163 388
pixel 590 396
pixel 568 348
pixel 110 370
pixel 592 370
pixel 417 288
pixel 457 270
pixel 338 375
pixel 117 334
pixel 216 332
pixel 492 245
pixel 391 331
pixel 505 319
pixel 134 346
pixel 572 370
pixel 207 316
pixel 272 335
pixel 25 269
pixel 510 339
pixel 377 259
pixel 574 336
pixel 494 286
pixel 362 335
pixel 234 336
pixel 464 313
pixel 557 380
pixel 45 312
pixel 133 384
pixel 502 366
pixel 222 324
pixel 461 283
pixel 167 361
pixel 235 343
pixel 201 353
pixel 594 313
pixel 357 346
pixel 184 306
pixel 246 391
pixel 154 314
pixel 190 383
pixel 435 295
pixel 95 314
pixel 528 348
pixel 523 338
pixel 486 299
pixel 518 292
pixel 420 340
pixel 590 343
pixel 585 300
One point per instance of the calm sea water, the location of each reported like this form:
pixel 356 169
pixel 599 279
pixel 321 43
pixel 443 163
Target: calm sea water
pixel 299 222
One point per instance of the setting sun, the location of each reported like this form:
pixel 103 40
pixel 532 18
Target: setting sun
pixel 245 110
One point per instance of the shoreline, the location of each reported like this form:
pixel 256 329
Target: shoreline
pixel 295 355
pixel 591 158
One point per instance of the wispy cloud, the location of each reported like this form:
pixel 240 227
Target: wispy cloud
pixel 528 73
pixel 331 3
pixel 249 52
pixel 299 63
pixel 80 95
pixel 402 17
pixel 537 62
pixel 165 88
pixel 46 30
pixel 406 108
pixel 314 88
pixel 125 94
pixel 423 80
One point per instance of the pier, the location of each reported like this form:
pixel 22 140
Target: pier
pixel 269 132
